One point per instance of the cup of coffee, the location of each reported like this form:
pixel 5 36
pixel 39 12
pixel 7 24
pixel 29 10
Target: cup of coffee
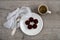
pixel 43 9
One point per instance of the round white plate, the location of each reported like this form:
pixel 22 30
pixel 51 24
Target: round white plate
pixel 24 28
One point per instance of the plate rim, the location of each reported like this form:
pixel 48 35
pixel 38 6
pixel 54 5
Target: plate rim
pixel 39 31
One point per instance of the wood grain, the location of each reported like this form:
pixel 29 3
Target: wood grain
pixel 51 28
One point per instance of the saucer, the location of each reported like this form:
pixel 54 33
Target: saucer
pixel 24 28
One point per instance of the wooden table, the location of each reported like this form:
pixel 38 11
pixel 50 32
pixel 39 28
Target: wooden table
pixel 51 28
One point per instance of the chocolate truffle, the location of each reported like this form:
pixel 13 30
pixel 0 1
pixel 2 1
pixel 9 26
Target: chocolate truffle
pixel 29 26
pixel 31 19
pixel 35 21
pixel 34 26
pixel 27 22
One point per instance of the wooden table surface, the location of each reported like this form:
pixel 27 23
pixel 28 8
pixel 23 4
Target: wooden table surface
pixel 51 28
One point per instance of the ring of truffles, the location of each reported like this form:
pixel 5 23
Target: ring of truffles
pixel 31 19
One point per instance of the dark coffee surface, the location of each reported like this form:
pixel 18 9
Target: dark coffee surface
pixel 43 9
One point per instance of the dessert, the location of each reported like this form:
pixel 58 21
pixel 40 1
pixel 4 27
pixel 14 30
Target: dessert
pixel 31 19
pixel 27 22
pixel 34 26
pixel 35 21
pixel 29 25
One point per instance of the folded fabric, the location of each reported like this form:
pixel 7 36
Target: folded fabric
pixel 12 13
pixel 11 18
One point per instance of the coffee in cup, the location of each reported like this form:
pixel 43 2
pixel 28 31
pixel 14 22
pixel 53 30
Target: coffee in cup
pixel 43 9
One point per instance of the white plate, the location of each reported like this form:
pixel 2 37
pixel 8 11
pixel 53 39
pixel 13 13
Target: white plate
pixel 24 28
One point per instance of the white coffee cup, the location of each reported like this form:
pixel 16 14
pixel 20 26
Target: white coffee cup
pixel 48 11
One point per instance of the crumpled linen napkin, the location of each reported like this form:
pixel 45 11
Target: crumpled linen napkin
pixel 11 18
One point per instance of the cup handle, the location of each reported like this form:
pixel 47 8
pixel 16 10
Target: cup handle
pixel 49 12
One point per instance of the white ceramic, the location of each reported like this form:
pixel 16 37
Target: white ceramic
pixel 48 11
pixel 24 28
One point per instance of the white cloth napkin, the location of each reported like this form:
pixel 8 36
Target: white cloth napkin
pixel 11 18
